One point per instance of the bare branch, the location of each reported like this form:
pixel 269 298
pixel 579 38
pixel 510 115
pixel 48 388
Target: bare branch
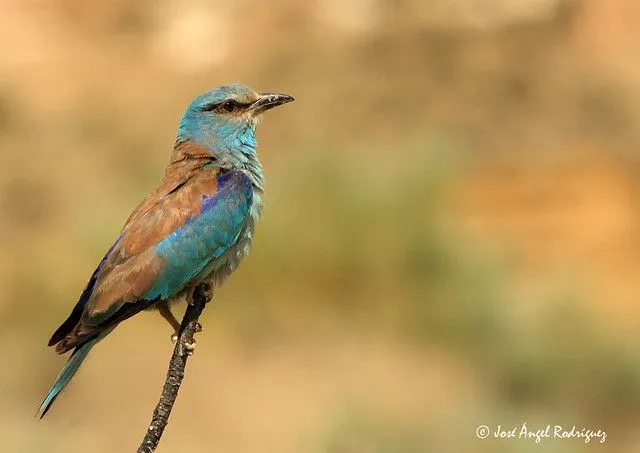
pixel 175 374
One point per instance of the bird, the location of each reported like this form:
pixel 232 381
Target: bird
pixel 195 227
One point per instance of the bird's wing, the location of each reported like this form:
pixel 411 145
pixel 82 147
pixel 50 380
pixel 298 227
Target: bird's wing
pixel 165 243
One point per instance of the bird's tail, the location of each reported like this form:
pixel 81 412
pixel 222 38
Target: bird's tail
pixel 67 372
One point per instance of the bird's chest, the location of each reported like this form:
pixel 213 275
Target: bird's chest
pixel 220 268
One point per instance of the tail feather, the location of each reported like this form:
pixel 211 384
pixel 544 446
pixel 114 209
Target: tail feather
pixel 67 372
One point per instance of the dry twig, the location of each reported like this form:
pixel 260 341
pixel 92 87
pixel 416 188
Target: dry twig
pixel 175 374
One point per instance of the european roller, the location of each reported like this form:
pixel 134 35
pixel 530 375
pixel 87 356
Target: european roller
pixel 196 226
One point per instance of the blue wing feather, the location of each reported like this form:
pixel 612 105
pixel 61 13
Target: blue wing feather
pixel 204 237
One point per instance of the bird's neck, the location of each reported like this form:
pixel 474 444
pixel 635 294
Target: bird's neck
pixel 189 156
pixel 253 167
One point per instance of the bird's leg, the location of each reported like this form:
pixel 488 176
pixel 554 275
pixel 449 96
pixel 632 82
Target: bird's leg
pixel 165 311
pixel 189 297
pixel 208 293
pixel 206 290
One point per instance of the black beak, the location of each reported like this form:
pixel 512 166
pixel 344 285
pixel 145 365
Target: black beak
pixel 268 101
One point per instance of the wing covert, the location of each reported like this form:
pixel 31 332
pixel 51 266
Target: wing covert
pixel 160 250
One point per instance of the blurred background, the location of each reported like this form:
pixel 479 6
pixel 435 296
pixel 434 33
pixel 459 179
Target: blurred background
pixel 451 235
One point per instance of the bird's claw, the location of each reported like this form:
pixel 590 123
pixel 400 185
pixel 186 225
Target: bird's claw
pixel 190 348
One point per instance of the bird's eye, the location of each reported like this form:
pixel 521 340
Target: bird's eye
pixel 229 106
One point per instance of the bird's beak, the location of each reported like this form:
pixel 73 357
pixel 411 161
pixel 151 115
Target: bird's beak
pixel 268 101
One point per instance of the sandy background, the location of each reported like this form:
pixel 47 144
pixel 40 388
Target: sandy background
pixel 451 235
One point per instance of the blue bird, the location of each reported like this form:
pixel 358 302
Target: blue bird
pixel 196 226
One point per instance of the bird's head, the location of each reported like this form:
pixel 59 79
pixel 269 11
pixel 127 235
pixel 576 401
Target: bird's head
pixel 223 120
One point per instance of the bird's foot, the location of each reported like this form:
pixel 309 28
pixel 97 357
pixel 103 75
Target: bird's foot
pixel 190 347
pixel 205 289
pixel 174 336
pixel 187 348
